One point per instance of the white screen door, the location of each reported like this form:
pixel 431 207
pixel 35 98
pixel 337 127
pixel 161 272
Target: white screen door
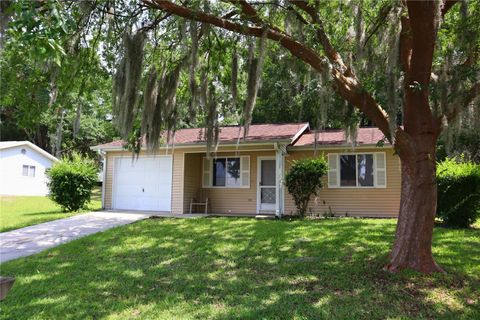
pixel 267 185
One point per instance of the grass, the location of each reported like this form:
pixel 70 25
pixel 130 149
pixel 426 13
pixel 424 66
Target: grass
pixel 22 211
pixel 241 268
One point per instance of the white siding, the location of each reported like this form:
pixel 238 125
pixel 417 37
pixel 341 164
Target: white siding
pixel 12 181
pixel 380 201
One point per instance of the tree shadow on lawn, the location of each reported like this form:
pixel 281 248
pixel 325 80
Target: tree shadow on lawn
pixel 43 213
pixel 240 268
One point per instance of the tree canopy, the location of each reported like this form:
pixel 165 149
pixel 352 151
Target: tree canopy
pixel 410 68
pixel 66 54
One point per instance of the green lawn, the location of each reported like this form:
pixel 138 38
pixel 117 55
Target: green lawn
pixel 223 268
pixel 22 211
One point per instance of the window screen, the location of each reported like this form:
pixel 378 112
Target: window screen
pixel 233 172
pixel 365 170
pixel 226 172
pixel 348 171
pixel 219 172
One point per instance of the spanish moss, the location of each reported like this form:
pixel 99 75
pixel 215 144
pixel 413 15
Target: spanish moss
pixel 392 70
pixel 152 111
pixel 192 68
pixel 253 82
pixel 127 82
pixel 234 79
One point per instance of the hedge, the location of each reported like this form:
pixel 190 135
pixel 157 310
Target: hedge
pixel 458 192
pixel 71 182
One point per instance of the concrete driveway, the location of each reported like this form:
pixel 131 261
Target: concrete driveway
pixel 30 240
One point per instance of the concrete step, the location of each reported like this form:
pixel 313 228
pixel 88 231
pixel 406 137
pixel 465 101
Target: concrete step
pixel 265 216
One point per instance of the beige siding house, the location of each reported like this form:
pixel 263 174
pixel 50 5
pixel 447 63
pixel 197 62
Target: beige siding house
pixel 245 175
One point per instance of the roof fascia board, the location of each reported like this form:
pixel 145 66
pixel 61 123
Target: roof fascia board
pixel 201 145
pixel 34 147
pixel 339 146
pixel 300 133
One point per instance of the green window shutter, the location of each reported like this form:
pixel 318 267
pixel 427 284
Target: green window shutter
pixel 380 170
pixel 333 170
pixel 207 173
pixel 245 171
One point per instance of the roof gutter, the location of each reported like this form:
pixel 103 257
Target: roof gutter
pixel 201 145
pixel 340 146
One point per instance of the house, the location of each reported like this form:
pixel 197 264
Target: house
pixel 22 168
pixel 245 176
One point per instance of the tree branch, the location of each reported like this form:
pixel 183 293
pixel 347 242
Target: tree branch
pixel 249 11
pixel 467 99
pixel 447 6
pixel 382 17
pixel 419 40
pixel 405 44
pixel 331 53
pixel 345 84
pixel 252 15
pixel 296 48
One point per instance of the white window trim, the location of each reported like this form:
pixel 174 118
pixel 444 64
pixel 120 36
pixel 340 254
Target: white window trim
pixel 24 167
pixel 375 186
pixel 29 171
pixel 207 186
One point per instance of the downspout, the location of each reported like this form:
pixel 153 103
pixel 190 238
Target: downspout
pixel 280 151
pixel 103 154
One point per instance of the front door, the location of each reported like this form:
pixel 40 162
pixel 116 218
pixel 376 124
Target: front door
pixel 267 189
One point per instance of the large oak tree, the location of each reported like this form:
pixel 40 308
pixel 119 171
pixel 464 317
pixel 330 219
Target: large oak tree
pixel 414 142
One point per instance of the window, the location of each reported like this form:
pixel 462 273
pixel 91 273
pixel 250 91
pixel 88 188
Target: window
pixel 28 171
pixel 31 171
pixel 226 172
pixel 357 170
pixel 347 171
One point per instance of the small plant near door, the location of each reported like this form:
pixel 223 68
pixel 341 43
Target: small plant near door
pixel 304 180
pixel 71 182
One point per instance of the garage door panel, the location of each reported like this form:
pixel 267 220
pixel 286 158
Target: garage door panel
pixel 144 184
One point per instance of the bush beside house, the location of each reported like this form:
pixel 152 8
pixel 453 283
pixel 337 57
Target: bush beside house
pixel 304 180
pixel 71 182
pixel 458 192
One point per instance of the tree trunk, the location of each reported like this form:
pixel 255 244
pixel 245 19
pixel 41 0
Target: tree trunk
pixel 413 241
pixel 57 145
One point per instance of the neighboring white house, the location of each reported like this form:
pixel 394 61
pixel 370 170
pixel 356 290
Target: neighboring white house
pixel 22 168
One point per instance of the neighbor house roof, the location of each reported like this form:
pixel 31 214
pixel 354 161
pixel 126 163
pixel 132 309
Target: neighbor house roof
pixel 288 132
pixel 11 144
pixel 365 136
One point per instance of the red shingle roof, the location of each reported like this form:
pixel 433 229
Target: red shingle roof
pixel 270 133
pixel 337 136
pixel 231 134
pixel 257 132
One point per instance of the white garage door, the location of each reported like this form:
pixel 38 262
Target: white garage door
pixel 143 184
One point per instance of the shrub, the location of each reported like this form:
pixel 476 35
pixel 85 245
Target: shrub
pixel 458 192
pixel 71 182
pixel 304 179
